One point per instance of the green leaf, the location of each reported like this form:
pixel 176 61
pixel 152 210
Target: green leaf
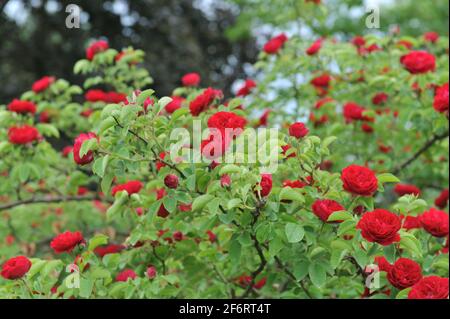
pixel 387 178
pixel 317 274
pixel 301 269
pixel 201 201
pixel 97 240
pixel 86 287
pixel 294 232
pixel 288 193
pixel 235 251
pixel 410 243
pixel 340 215
pixel 144 95
pixel 230 169
pixel 88 145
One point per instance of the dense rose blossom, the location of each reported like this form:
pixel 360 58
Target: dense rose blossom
pixel 406 189
pixel 435 222
pixel 215 145
pixel 126 274
pixel 367 128
pixel 22 107
pixel 441 99
pixel 178 236
pixel 431 287
pixel 298 130
pixel 325 208
pixel 442 200
pixel 314 48
pixel 171 181
pixel 380 98
pixel 96 47
pixel 380 226
pixel 353 112
pixel 109 249
pixel 359 180
pixel 42 84
pixel 23 134
pixel 131 187
pixel 15 268
pixel 115 97
pixel 285 149
pixel 191 79
pixel 226 120
pixel 151 272
pixel 175 104
pixel 322 81
pixel 432 37
pixel 383 263
pixel 417 62
pixel 87 158
pixel 294 184
pixel 358 41
pixel 44 117
pixel 404 273
pixel 204 100
pixel 247 88
pixel 274 45
pixel 66 242
pixel 95 96
pixel 266 185
pixel 411 222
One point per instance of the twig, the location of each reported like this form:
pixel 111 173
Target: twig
pixel 48 201
pixel 291 275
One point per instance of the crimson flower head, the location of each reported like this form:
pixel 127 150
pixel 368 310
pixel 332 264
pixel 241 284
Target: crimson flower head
pixel 151 272
pixel 380 226
pixel 96 96
pixel 126 274
pixel 404 273
pixel 325 208
pixel 22 107
pixel 432 37
pixel 322 81
pixel 191 79
pixel 225 180
pixel 442 200
pixel 380 98
pixel 66 151
pixel 359 180
pixel 314 48
pixel 66 242
pixel 298 130
pixel 211 236
pixel 358 41
pixel 203 101
pixel 131 187
pixel 435 222
pixel 109 249
pixel 171 181
pixel 266 185
pixel 431 287
pixel 227 122
pixel 406 189
pixel 15 268
pixel 246 89
pixel 441 99
pixel 274 45
pixel 87 158
pixel 23 134
pixel 42 84
pixel 419 62
pixel 96 47
pixel 354 112
pixel 175 104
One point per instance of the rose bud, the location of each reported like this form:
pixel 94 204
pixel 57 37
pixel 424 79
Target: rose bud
pixel 151 272
pixel 171 181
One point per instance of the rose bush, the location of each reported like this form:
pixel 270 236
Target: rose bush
pixel 362 163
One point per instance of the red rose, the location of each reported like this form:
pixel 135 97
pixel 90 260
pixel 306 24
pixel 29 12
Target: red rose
pixel 191 79
pixel 380 98
pixel 96 47
pixel 298 130
pixel 246 89
pixel 204 101
pixel 67 150
pixel 95 96
pixel 260 284
pixel 22 107
pixel 411 222
pixel 431 287
pixel 126 274
pixel 431 37
pixel 353 112
pixel 314 48
pixel 265 184
pixel 442 200
pixel 274 45
pixel 171 181
pixel 160 194
pixel 23 134
pixel 109 249
pixel 227 120
pixel 131 187
pixel 383 263
pixel 325 208
pixel 42 84
pixel 417 62
pixel 115 97
pixel 151 272
pixel 294 184
pixel 358 41
pixel 359 180
pixel 367 128
pixel 66 242
pixel 211 236
pixel 441 100
pixel 15 268
pixel 435 222
pixel 87 158
pixel 264 118
pixel 406 189
pixel 175 104
pixel 225 180
pixel 404 273
pixel 380 226
pixel 322 81
pixel 178 236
